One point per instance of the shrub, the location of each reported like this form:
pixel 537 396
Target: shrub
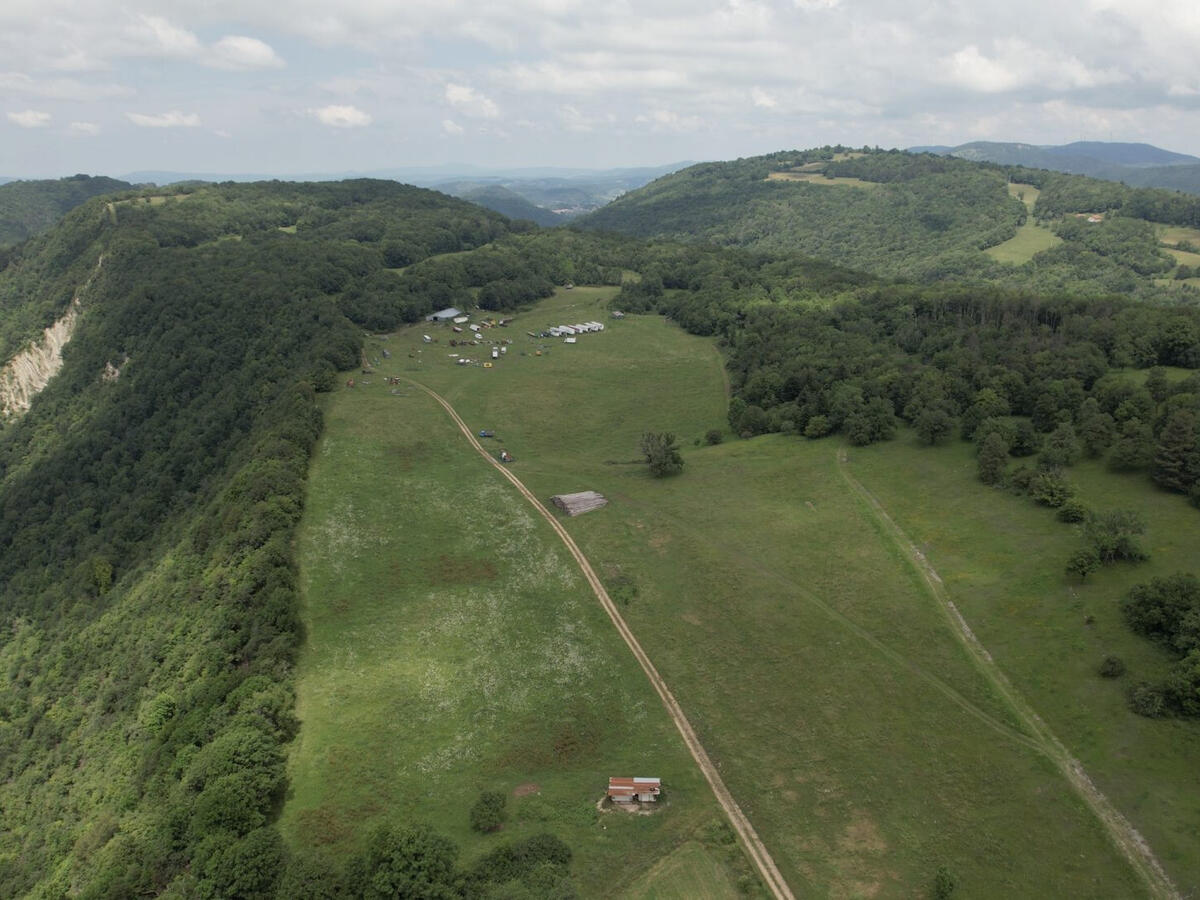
pixel 713 436
pixel 1112 667
pixel 1146 700
pixel 1050 488
pixel 817 427
pixel 1071 511
pixel 488 812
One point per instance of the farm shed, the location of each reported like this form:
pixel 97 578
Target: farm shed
pixel 630 790
pixel 444 315
pixel 575 504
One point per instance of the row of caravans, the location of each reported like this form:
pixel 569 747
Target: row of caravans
pixel 584 328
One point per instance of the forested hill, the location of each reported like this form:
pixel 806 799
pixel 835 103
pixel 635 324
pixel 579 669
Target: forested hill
pixel 919 216
pixel 30 207
pixel 502 200
pixel 147 500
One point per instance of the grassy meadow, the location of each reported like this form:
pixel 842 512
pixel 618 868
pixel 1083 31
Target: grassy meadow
pixel 818 178
pixel 452 647
pixel 1031 238
pixel 844 715
pixel 1002 559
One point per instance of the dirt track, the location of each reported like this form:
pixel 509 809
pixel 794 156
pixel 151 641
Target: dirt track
pixel 1127 838
pixel 750 839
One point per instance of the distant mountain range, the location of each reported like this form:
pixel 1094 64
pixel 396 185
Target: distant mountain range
pixel 1138 165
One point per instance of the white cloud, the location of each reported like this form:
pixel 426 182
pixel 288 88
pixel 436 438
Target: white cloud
pixel 336 116
pixel 30 118
pixel 83 129
pixel 240 52
pixel 172 119
pixel 470 102
pixel 762 99
pixel 451 127
pixel 155 36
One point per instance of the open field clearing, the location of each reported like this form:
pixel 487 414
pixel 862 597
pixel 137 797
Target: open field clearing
pixel 1030 240
pixel 1184 257
pixel 1001 558
pixel 690 873
pixel 858 736
pixel 1173 234
pixel 817 178
pixel 1026 193
pixel 454 648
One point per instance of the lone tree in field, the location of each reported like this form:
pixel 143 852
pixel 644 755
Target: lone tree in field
pixel 662 453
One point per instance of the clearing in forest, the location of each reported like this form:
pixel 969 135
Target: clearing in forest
pixel 818 178
pixel 1031 238
pixel 845 717
pixel 453 647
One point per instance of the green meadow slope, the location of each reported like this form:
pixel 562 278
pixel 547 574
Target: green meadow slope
pixel 843 713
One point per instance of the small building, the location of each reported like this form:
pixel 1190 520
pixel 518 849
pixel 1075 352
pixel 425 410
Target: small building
pixel 576 504
pixel 459 320
pixel 634 790
pixel 444 315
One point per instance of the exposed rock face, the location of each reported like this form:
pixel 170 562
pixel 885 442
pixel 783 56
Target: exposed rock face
pixel 31 369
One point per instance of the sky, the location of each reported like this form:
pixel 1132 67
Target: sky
pixel 289 87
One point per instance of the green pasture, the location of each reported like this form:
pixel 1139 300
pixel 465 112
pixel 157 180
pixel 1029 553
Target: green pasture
pixel 693 872
pixel 1184 257
pixel 845 716
pixel 1026 193
pixel 1002 559
pixel 452 647
pixel 1174 234
pixel 818 178
pixel 1030 240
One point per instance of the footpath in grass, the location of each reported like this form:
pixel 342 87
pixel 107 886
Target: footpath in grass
pixel 453 648
pixel 1002 560
pixel 843 713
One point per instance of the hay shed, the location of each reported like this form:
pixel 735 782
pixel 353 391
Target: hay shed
pixel 575 504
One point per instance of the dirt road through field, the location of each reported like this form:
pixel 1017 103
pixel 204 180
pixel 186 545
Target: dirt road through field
pixel 750 839
pixel 1120 829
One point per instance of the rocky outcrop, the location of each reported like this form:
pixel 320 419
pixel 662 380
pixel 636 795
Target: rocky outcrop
pixel 29 371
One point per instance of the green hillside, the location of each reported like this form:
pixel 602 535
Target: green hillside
pixel 503 200
pixel 31 207
pixel 268 635
pixel 917 216
pixel 147 502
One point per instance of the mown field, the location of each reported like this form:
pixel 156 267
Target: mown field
pixel 452 648
pixel 846 718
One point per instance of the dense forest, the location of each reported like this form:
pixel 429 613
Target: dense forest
pixel 31 207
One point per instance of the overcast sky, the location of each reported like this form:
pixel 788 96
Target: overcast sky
pixel 292 86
